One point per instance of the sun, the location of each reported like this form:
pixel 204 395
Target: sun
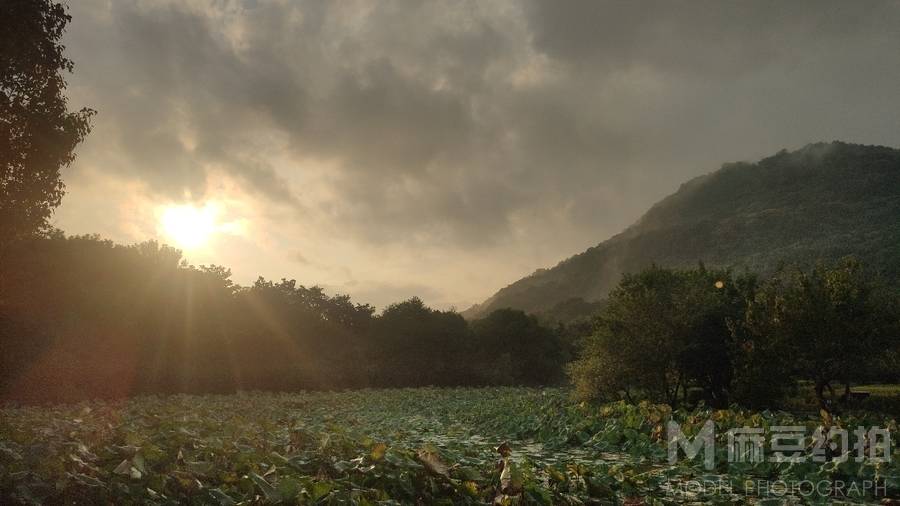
pixel 188 226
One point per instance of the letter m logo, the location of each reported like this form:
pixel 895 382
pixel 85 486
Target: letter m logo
pixel 705 439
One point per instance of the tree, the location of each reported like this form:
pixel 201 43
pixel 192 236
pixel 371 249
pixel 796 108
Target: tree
pixel 836 323
pixel 413 345
pixel 661 332
pixel 513 348
pixel 38 134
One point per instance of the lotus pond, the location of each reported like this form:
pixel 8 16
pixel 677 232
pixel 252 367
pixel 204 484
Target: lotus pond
pixel 403 446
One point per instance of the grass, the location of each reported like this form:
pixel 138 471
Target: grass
pixel 402 446
pixel 883 398
pixel 879 390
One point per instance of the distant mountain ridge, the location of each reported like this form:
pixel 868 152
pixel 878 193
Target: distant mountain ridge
pixel 825 200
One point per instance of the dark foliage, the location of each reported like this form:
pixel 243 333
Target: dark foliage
pixel 38 134
pixel 662 332
pixel 516 349
pixel 828 324
pixel 665 333
pixel 94 319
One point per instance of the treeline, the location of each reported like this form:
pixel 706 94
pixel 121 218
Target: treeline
pixel 679 336
pixel 82 317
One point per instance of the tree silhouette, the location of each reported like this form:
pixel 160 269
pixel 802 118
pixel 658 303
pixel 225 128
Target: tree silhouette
pixel 38 134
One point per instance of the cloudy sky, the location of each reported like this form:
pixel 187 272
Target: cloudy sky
pixel 391 149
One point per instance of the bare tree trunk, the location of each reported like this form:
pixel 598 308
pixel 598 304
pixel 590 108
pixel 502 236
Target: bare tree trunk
pixel 673 396
pixel 846 396
pixel 820 395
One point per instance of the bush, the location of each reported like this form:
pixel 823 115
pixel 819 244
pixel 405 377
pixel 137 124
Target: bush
pixel 664 332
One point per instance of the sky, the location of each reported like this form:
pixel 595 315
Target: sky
pixel 444 149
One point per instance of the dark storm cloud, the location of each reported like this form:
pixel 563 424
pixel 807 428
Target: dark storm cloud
pixel 164 77
pixel 455 123
pixel 705 37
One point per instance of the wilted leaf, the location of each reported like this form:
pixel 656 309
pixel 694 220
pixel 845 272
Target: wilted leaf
pixel 510 478
pixel 123 468
pixel 433 463
pixel 377 452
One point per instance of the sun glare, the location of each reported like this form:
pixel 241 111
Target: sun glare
pixel 188 226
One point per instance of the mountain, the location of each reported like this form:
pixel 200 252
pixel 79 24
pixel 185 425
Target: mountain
pixel 823 201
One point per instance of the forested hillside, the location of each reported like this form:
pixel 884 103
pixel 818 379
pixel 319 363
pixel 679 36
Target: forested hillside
pixel 823 201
